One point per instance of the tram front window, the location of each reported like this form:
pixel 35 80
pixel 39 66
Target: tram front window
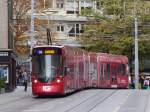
pixel 47 67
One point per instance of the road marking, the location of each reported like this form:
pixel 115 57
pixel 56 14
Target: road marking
pixel 33 110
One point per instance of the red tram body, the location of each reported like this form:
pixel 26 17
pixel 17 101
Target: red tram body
pixel 65 69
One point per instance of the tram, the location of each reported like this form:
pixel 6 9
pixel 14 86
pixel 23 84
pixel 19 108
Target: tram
pixel 58 70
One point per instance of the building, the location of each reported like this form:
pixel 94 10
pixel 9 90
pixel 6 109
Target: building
pixel 64 19
pixel 3 24
pixel 61 17
pixel 7 55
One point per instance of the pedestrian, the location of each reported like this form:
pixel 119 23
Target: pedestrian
pixel 132 82
pixel 146 83
pixel 25 79
pixel 141 81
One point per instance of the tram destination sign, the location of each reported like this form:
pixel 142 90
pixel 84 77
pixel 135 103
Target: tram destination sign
pixel 47 51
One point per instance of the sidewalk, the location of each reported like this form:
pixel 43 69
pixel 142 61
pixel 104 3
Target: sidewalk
pixel 20 90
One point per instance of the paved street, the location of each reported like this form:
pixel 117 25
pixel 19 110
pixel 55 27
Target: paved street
pixel 93 100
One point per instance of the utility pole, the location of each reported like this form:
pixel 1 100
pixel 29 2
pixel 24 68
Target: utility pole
pixel 136 67
pixel 32 31
pixel 136 55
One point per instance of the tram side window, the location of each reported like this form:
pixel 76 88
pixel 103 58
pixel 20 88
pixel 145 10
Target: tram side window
pixel 105 71
pixel 86 66
pixel 123 69
pixel 81 69
pixel 113 70
pixel 119 68
pixel 101 71
pixel 108 71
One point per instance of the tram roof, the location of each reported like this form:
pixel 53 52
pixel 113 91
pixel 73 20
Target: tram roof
pixel 61 46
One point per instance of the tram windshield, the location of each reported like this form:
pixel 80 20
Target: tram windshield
pixel 47 67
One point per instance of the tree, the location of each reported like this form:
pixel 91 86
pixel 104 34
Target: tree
pixel 115 21
pixel 20 23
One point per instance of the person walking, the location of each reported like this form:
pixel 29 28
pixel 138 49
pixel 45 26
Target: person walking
pixel 141 81
pixel 146 83
pixel 25 78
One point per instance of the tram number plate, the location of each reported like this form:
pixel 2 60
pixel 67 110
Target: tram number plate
pixel 46 88
pixel 114 86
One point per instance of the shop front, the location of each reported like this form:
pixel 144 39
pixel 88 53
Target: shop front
pixel 8 68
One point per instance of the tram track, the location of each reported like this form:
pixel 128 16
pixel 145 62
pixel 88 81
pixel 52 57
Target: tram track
pixel 76 102
pixel 102 100
pixel 90 103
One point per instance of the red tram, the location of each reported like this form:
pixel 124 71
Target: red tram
pixel 64 69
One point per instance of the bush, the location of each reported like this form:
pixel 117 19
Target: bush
pixel 2 82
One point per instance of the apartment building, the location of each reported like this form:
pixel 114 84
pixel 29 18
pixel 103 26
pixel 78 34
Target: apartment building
pixel 64 18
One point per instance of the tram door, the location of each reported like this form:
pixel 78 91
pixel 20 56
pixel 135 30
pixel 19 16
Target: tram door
pixel 113 76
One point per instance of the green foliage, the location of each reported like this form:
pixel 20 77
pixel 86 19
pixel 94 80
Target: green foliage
pixel 100 45
pixel 113 29
pixel 122 46
pixel 2 82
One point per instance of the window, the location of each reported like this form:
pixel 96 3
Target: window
pixel 72 12
pixel 75 30
pixel 59 5
pixel 105 70
pixel 108 71
pixel 123 69
pixel 62 5
pixel 113 70
pixel 60 28
pixel 102 71
pixel 81 70
pixel 119 68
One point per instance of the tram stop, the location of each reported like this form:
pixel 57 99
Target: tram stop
pixel 7 70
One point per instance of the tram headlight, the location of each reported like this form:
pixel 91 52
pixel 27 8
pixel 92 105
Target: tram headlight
pixel 35 81
pixel 58 80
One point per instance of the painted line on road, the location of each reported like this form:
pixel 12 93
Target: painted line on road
pixel 33 111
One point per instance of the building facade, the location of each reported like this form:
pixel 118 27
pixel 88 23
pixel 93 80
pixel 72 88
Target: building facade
pixel 3 24
pixel 64 18
pixel 7 55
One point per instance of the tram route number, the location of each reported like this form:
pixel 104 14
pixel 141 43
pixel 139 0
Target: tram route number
pixel 46 88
